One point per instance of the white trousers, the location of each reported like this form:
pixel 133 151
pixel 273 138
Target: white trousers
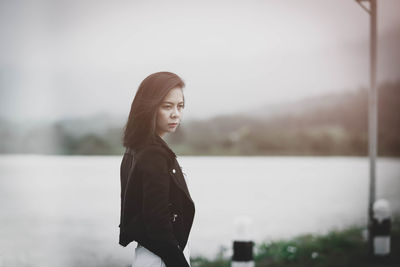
pixel 145 258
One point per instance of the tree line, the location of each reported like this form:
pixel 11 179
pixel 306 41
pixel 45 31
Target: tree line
pixel 335 128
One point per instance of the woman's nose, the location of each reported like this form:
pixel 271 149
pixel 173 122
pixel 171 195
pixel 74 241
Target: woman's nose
pixel 175 113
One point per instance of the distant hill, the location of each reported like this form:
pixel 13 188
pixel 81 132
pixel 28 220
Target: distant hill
pixel 332 124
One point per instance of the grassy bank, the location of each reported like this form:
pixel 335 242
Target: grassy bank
pixel 335 249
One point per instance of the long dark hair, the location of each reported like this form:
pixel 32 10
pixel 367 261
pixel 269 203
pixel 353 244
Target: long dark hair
pixel 141 125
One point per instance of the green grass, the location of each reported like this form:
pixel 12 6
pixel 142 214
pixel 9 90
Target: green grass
pixel 335 249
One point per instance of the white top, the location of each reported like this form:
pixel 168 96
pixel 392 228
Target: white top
pixel 144 257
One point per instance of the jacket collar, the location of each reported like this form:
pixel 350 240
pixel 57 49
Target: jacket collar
pixel 159 141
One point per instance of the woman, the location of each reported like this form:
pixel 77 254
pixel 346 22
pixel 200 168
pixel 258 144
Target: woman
pixel 156 208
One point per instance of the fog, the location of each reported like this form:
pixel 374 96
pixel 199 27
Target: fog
pixel 79 58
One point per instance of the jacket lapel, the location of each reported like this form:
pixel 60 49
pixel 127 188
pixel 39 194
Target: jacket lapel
pixel 177 174
pixel 179 179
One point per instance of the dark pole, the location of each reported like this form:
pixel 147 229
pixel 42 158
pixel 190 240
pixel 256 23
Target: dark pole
pixel 373 120
pixel 372 116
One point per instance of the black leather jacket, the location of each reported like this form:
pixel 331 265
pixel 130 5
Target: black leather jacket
pixel 156 208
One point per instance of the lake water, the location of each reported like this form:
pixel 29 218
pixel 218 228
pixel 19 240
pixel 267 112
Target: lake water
pixel 64 210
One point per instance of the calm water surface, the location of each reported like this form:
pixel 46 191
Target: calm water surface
pixel 64 211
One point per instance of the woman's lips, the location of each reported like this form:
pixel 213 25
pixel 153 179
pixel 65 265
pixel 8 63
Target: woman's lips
pixel 172 124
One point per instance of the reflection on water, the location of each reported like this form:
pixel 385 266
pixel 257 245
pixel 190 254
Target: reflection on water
pixel 64 211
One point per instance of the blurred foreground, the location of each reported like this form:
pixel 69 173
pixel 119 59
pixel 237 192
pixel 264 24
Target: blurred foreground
pixel 64 210
pixel 336 249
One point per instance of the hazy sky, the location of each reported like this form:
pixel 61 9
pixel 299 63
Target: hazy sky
pixel 78 58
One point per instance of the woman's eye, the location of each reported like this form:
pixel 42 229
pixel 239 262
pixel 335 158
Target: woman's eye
pixel 167 107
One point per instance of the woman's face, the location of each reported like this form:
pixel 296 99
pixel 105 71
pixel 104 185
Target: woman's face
pixel 169 113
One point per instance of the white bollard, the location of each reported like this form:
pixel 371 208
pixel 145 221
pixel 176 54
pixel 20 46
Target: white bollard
pixel 242 244
pixel 381 224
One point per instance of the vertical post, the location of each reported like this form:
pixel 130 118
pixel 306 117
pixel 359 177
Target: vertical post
pixel 372 119
pixel 243 244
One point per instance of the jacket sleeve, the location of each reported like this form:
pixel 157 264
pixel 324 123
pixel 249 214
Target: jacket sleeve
pixel 153 166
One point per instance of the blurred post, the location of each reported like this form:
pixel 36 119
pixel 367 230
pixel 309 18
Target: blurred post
pixel 242 244
pixel 372 116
